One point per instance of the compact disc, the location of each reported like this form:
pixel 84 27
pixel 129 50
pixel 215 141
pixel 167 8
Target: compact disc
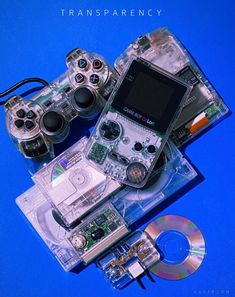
pixel 181 245
pixel 57 170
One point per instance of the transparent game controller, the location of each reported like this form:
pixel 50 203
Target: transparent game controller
pixel 36 124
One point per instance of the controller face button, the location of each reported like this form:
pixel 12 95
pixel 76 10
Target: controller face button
pixel 79 78
pixel 20 113
pixel 83 98
pixel 30 115
pixel 19 123
pixel 151 149
pixel 138 146
pixel 29 125
pixel 94 79
pixel 136 172
pixel 82 63
pixel 97 64
pixel 53 121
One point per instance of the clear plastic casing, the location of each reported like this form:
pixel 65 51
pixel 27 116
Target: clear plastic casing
pixel 112 145
pixel 72 186
pixel 38 211
pixel 204 106
pixel 98 232
pixel 129 259
pixel 171 173
pixel 36 124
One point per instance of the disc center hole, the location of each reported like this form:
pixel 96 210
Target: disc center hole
pixel 173 246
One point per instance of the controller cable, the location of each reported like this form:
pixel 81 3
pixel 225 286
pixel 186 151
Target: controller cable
pixel 20 84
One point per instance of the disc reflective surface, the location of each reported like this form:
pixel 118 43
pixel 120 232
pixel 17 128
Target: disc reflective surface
pixel 181 245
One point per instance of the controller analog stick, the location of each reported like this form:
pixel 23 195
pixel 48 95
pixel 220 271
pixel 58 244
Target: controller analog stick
pixel 53 121
pixel 83 98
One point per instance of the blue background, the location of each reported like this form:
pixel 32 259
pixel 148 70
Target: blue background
pixel 34 40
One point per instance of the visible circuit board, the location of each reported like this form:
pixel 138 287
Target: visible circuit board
pixel 129 259
pixel 98 153
pixel 101 230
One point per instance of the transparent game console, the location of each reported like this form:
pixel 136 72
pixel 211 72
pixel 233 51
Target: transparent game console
pixel 171 173
pixel 38 211
pixel 136 122
pixel 204 106
pixel 104 224
pixel 72 186
pixel 129 259
pixel 37 124
pixel 88 201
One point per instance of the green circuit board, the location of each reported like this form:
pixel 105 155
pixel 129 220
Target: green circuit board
pixel 97 229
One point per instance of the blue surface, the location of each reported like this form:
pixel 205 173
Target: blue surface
pixel 174 247
pixel 34 39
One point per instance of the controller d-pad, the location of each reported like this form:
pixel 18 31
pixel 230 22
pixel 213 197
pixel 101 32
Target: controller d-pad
pixel 94 79
pixel 20 113
pixel 110 130
pixel 82 63
pixel 30 115
pixel 29 125
pixel 19 123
